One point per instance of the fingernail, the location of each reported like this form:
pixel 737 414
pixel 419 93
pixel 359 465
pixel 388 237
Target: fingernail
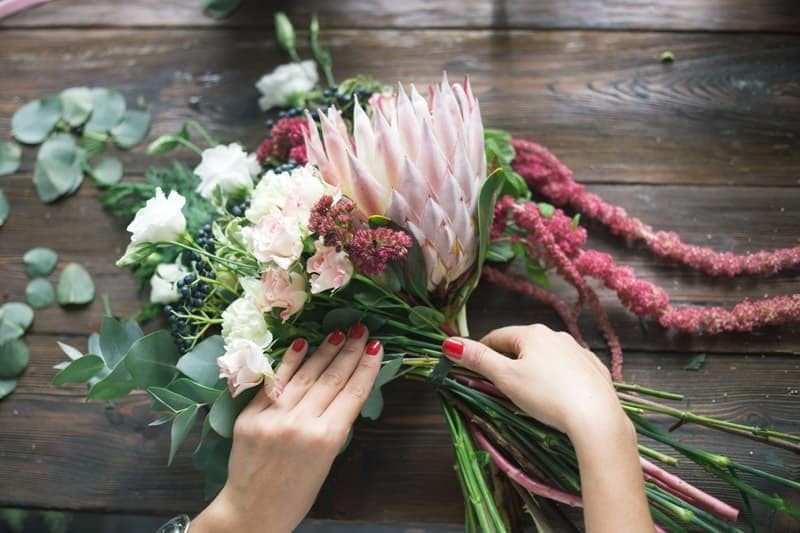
pixel 356 330
pixel 298 345
pixel 373 347
pixel 454 348
pixel 336 337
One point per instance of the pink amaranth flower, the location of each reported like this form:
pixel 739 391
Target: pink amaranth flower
pixel 285 141
pixel 372 248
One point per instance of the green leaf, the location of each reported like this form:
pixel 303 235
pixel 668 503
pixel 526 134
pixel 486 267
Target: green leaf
pixel 151 360
pixel 171 400
pixel 10 157
pixel 486 202
pixel 219 8
pixel 107 172
pixel 696 363
pixel 117 384
pixel 537 273
pixel 322 56
pixel 167 143
pixel 39 261
pixel 71 352
pixel 40 293
pixel 79 370
pixel 197 392
pixel 200 364
pixel 115 340
pixel 14 357
pixel 132 129
pixel 5 207
pixel 415 274
pixel 500 252
pixel 54 178
pixel 225 410
pixel 76 105
pixel 576 220
pixel 34 121
pixel 181 426
pixel 374 405
pixel 9 330
pixel 423 316
pixel 75 286
pixel 341 319
pixel 546 210
pixel 108 107
pixel 7 386
pixel 18 314
pixel 498 145
pixel 284 32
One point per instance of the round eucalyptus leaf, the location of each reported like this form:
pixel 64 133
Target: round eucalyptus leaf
pixel 5 207
pixel 54 178
pixel 14 357
pixel 107 109
pixel 17 313
pixel 76 105
pixel 39 261
pixel 132 128
pixel 107 172
pixel 34 121
pixel 7 386
pixel 75 286
pixel 10 156
pixel 61 146
pixel 40 293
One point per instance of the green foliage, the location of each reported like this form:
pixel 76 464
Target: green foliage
pixel 696 363
pixel 5 208
pixel 322 56
pixel 18 314
pixel 284 33
pixel 545 209
pixel 132 128
pixel 219 9
pixel 424 317
pixel 80 370
pixel 14 357
pixel 499 154
pixel 151 360
pixel 75 286
pixel 40 293
pixel 181 425
pixel 225 410
pixel 341 319
pixel 34 121
pixel 108 107
pixel 76 105
pixel 374 405
pixel 107 172
pixel 195 391
pixel 7 386
pixel 200 364
pixel 486 202
pixel 39 261
pixel 10 156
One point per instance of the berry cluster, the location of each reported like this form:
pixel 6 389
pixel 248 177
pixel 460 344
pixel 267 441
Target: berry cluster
pixel 239 209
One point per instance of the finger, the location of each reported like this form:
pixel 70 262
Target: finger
pixel 289 364
pixel 309 371
pixel 345 407
pixel 336 375
pixel 510 340
pixel 477 357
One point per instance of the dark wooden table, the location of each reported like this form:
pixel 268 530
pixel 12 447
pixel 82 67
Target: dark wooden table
pixel 708 146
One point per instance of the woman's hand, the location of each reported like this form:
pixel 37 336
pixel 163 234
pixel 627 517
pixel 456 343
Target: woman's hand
pixel 283 450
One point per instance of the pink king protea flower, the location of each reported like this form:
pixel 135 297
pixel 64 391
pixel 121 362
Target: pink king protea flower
pixel 422 166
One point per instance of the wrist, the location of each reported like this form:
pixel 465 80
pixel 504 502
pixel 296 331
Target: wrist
pixel 220 515
pixel 604 422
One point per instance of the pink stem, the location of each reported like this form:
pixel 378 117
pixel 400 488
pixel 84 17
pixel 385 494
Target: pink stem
pixel 520 477
pixel 699 498
pixel 480 385
pixel 9 7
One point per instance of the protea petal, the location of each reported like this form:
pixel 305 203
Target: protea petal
pixel 364 138
pixel 414 188
pixel 432 162
pixel 407 124
pixel 336 150
pixel 388 151
pixel 370 194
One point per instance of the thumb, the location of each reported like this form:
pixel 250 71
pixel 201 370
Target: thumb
pixel 476 356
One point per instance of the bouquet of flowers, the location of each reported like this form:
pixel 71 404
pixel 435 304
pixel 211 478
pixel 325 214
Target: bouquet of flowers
pixel 385 207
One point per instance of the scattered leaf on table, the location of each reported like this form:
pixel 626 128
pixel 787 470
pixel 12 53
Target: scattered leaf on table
pixel 108 106
pixel 219 8
pixel 40 293
pixel 61 146
pixel 697 362
pixel 76 105
pixel 54 178
pixel 10 156
pixel 17 313
pixel 9 330
pixel 14 357
pixel 79 370
pixel 5 207
pixel 132 128
pixel 107 172
pixel 7 386
pixel 34 121
pixel 75 286
pixel 39 261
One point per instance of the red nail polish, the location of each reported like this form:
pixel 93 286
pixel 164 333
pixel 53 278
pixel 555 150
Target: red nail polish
pixel 298 345
pixel 336 337
pixel 373 347
pixel 454 348
pixel 356 330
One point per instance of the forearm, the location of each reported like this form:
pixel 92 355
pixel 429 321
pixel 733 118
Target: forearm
pixel 611 476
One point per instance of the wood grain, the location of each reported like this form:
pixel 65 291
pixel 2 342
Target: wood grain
pixel 683 15
pixel 726 112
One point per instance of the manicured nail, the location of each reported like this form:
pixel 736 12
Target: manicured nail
pixel 373 347
pixel 336 337
pixel 356 330
pixel 298 345
pixel 453 347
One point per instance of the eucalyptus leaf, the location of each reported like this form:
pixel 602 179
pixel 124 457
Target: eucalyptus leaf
pixel 108 106
pixel 10 157
pixel 219 8
pixel 171 400
pixel 17 313
pixel 374 405
pixel 7 386
pixel 225 410
pixel 340 319
pixel 61 146
pixel 54 178
pixel 107 172
pixel 14 357
pixel 132 129
pixel 160 421
pixel 9 330
pixel 200 364
pixel 75 286
pixel 34 121
pixel 117 384
pixel 195 391
pixel 181 426
pixel 115 340
pixel 79 370
pixel 76 105
pixel 5 207
pixel 696 363
pixel 70 351
pixel 40 293
pixel 39 261
pixel 151 360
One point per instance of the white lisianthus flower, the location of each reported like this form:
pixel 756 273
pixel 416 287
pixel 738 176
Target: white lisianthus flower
pixel 245 366
pixel 294 193
pixel 228 167
pixel 243 320
pixel 329 269
pixel 160 219
pixel 278 87
pixel 277 238
pixel 162 284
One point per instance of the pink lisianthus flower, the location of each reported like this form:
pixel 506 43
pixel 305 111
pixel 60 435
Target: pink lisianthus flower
pixel 330 269
pixel 245 366
pixel 277 238
pixel 284 289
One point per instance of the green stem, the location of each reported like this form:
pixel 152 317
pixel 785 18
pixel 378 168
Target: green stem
pixel 202 131
pixel 648 391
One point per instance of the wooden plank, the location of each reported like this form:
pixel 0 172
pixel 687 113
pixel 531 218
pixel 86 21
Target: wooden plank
pixel 681 15
pixel 97 457
pixel 724 113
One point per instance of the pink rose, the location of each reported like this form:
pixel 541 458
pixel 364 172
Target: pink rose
pixel 281 288
pixel 277 238
pixel 331 269
pixel 245 366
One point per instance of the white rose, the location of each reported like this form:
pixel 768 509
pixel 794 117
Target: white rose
pixel 228 167
pixel 160 219
pixel 278 86
pixel 243 320
pixel 162 284
pixel 277 238
pixel 294 193
pixel 244 365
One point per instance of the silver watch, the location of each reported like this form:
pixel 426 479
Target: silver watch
pixel 179 524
